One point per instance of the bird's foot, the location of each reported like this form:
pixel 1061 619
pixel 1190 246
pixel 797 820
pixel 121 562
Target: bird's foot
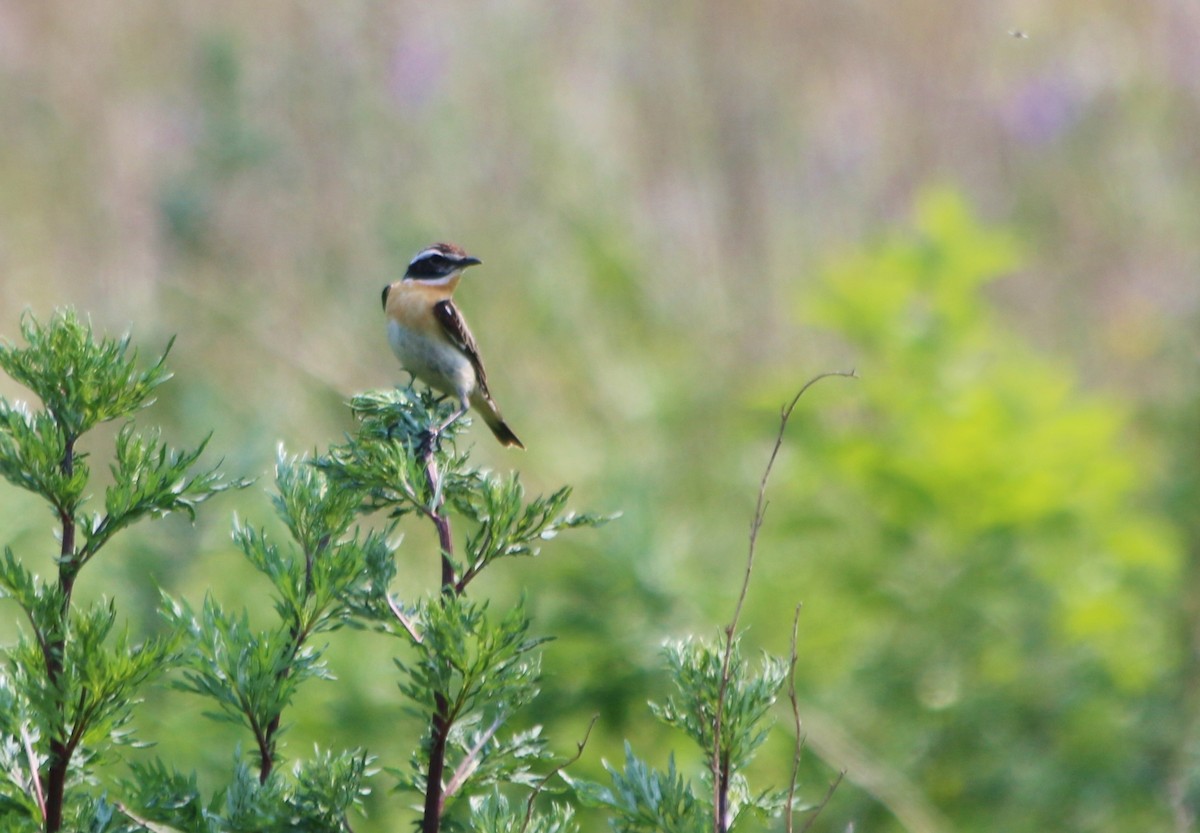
pixel 429 441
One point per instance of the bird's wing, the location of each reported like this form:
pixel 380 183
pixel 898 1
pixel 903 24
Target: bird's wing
pixel 456 329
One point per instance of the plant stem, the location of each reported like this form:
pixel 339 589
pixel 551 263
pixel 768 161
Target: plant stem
pixel 266 753
pixel 719 761
pixel 541 785
pixel 797 725
pixel 439 735
pixel 55 653
pixel 722 814
pixel 298 634
pixel 441 523
pixel 55 786
pixel 439 729
pixel 828 795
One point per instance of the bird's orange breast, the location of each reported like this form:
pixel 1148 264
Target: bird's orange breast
pixel 420 342
pixel 410 304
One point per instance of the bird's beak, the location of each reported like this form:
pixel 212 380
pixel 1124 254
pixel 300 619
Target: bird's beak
pixel 469 261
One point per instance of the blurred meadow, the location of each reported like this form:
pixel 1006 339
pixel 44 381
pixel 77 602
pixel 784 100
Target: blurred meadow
pixel 685 210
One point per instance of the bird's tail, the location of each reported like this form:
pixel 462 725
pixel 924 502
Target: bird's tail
pixel 503 433
pixel 491 415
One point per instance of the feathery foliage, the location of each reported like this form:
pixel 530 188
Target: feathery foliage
pixel 71 681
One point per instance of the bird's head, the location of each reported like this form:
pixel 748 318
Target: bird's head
pixel 439 264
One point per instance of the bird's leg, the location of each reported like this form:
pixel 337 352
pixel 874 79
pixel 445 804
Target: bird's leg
pixel 435 433
pixel 463 407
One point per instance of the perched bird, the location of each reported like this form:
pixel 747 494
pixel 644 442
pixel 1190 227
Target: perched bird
pixel 431 338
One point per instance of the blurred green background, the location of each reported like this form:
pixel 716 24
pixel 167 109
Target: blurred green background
pixel 685 210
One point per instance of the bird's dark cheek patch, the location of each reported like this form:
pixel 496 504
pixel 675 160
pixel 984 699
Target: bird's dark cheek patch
pixel 434 266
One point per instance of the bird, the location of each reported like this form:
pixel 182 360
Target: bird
pixel 431 338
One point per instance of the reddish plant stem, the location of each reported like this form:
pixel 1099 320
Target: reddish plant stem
pixel 797 725
pixel 723 795
pixel 266 754
pixel 439 734
pixel 266 740
pixel 439 728
pixel 720 762
pixel 55 649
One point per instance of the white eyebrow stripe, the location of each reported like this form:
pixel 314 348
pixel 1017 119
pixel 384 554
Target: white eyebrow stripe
pixel 432 250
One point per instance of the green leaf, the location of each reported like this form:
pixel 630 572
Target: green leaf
pixel 507 526
pixel 315 511
pixel 81 381
pixel 105 678
pixel 330 572
pixel 33 448
pixel 251 675
pixel 643 800
pixel 484 669
pixel 150 480
pixel 165 795
pixel 696 670
pixel 329 786
pixel 492 813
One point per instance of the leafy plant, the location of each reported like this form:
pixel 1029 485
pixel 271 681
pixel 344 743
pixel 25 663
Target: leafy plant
pixel 467 672
pixel 724 706
pixel 472 672
pixel 70 684
pixel 981 521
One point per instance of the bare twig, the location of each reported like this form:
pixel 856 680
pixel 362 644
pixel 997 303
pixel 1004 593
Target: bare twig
pixel 542 784
pixel 796 723
pixel 34 774
pixel 720 787
pixel 828 795
pixel 403 619
pixel 153 827
pixel 470 763
pixel 441 521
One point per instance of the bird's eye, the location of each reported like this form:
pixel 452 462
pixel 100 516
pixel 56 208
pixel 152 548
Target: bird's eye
pixel 429 266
